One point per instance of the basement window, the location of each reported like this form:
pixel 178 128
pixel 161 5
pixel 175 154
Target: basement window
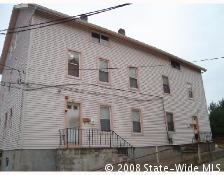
pixel 73 63
pixel 175 64
pixel 99 38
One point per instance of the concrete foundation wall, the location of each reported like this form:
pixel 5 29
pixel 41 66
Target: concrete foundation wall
pixel 92 159
pixel 86 159
pixel 29 160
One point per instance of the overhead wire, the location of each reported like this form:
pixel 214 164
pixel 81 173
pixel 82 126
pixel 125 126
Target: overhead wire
pixel 209 59
pixel 57 21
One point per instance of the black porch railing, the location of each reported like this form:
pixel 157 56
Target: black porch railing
pixel 70 137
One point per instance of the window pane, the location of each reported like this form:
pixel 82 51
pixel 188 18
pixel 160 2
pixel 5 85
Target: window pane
pixel 170 121
pixel 103 65
pixel 104 112
pixel 73 70
pixel 104 38
pixel 136 115
pixel 136 126
pixel 103 76
pixel 133 83
pixel 105 124
pixel 166 89
pixel 96 37
pixel 165 80
pixel 175 65
pixel 133 72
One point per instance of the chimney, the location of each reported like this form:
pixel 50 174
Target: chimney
pixel 84 17
pixel 121 31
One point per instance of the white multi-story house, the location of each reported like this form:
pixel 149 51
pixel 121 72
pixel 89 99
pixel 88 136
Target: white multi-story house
pixel 76 84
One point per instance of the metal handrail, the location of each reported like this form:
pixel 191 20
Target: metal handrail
pixel 71 137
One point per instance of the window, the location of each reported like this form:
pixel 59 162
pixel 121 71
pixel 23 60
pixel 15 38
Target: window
pixel 189 89
pixel 105 118
pixel 73 63
pixel 103 71
pixel 166 86
pixel 136 121
pixel 99 38
pixel 175 64
pixel 6 120
pixel 10 118
pixel 169 118
pixel 133 81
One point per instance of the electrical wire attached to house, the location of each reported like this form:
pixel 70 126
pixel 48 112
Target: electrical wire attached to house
pixel 57 21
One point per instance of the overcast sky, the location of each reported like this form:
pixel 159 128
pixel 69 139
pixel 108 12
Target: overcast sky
pixel 190 31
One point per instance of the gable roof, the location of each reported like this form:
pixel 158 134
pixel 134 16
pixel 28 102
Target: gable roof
pixel 93 27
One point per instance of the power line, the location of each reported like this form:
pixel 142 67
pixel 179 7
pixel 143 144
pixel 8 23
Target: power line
pixel 94 93
pixel 87 84
pixel 208 59
pixel 12 68
pixel 59 21
pixel 63 86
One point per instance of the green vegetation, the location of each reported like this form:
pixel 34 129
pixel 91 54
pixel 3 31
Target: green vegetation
pixel 216 117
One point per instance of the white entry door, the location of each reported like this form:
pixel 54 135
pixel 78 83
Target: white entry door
pixel 73 122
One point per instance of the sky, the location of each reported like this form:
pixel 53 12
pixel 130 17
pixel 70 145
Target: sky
pixel 192 31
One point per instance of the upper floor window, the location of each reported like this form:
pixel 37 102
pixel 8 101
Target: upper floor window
pixel 166 86
pixel 105 118
pixel 133 77
pixel 103 70
pixel 136 120
pixel 170 123
pixel 190 90
pixel 175 64
pixel 73 63
pixel 99 38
